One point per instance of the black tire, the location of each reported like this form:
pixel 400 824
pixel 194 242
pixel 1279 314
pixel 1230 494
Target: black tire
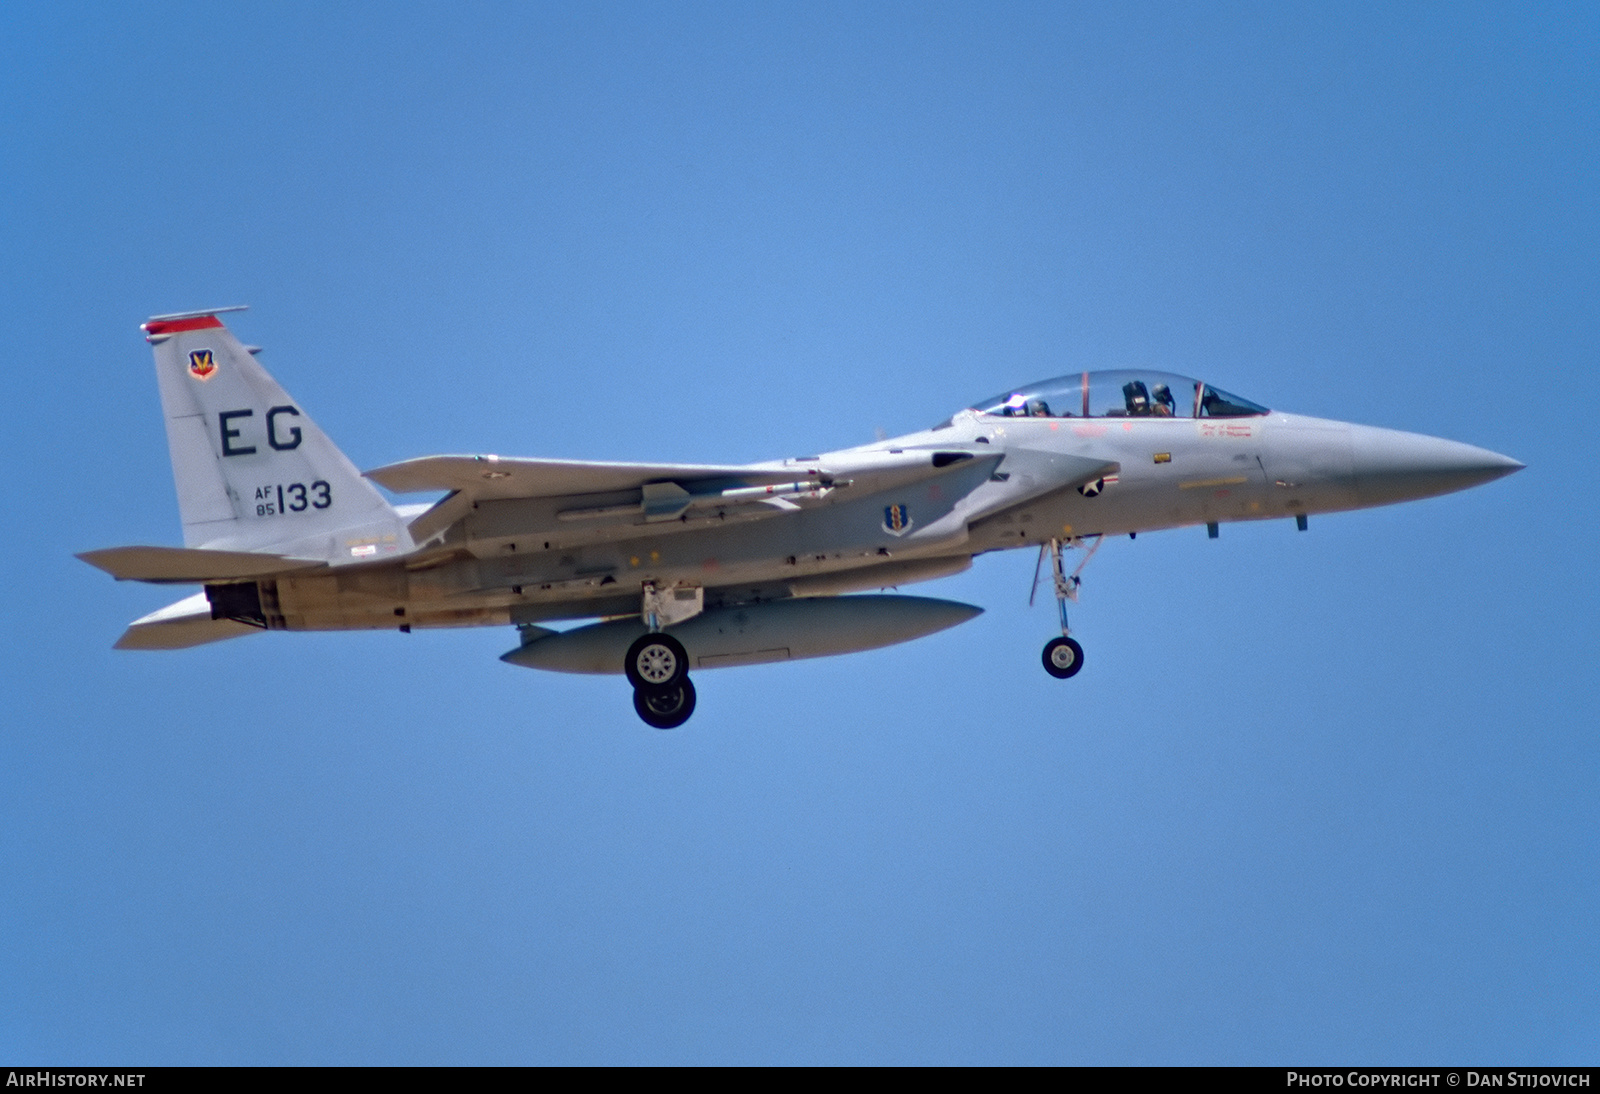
pixel 655 661
pixel 665 708
pixel 1063 657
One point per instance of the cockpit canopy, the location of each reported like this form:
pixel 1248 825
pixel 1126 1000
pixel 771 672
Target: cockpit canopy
pixel 1119 393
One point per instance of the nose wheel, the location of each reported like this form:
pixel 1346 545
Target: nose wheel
pixel 1062 657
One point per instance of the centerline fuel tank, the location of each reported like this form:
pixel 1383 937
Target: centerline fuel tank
pixel 752 634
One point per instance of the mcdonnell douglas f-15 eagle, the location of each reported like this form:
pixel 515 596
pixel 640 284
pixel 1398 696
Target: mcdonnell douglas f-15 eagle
pixel 694 566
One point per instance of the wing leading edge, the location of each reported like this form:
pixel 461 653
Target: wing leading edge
pixel 494 477
pixel 655 492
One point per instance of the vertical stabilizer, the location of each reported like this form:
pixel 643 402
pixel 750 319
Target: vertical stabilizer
pixel 253 471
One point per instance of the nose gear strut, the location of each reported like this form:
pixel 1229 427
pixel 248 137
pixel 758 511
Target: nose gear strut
pixel 1063 657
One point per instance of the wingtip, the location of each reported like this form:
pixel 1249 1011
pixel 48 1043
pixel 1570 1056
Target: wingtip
pixel 95 558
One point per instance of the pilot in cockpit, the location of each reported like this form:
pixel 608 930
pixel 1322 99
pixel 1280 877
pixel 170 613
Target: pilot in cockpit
pixel 1162 405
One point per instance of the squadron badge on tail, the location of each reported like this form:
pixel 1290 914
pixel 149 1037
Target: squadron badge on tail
pixel 202 366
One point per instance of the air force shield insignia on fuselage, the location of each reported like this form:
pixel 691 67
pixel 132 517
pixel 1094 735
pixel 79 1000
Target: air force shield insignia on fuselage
pixel 202 365
pixel 896 520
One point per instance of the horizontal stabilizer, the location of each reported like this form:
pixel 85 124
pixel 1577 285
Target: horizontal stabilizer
pixel 185 565
pixel 179 626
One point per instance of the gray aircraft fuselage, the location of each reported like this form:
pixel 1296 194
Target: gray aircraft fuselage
pixel 528 565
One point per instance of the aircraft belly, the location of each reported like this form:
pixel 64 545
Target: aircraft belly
pixel 605 578
pixel 322 604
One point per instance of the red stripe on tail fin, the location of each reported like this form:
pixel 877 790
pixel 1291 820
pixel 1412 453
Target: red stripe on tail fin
pixel 178 326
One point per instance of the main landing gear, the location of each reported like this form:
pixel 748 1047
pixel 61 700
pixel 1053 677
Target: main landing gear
pixel 658 668
pixel 1062 657
pixel 665 708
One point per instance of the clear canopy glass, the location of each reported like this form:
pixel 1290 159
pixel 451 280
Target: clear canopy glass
pixel 1119 393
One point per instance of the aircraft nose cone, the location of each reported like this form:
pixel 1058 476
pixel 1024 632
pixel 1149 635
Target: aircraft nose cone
pixel 1393 466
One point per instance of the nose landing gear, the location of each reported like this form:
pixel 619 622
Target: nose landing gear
pixel 1062 657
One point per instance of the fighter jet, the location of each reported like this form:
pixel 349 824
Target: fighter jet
pixel 695 566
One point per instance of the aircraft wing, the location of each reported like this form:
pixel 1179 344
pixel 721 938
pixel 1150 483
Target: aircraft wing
pixel 655 492
pixel 491 477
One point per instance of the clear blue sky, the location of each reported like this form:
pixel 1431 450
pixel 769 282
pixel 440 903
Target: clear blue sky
pixel 1318 798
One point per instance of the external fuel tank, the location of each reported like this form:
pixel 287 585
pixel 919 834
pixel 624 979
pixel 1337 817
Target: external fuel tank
pixel 751 634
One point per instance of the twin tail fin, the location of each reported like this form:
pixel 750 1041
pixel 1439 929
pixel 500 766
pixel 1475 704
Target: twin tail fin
pixel 254 473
